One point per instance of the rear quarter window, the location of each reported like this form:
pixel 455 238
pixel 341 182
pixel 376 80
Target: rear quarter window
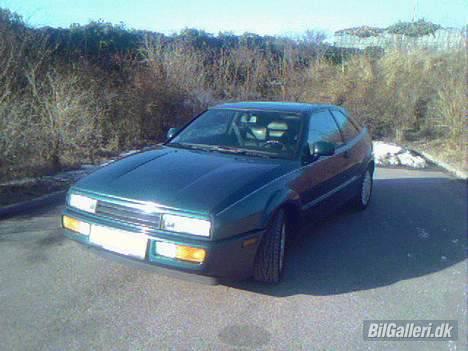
pixel 347 127
pixel 322 127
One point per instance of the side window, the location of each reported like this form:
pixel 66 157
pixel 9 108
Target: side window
pixel 348 129
pixel 322 127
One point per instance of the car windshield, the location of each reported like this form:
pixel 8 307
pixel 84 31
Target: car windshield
pixel 257 133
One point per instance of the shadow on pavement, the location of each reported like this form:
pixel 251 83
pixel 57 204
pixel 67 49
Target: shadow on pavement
pixel 52 209
pixel 413 227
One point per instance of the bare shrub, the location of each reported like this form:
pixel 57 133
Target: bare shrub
pixel 448 108
pixel 18 138
pixel 68 115
pixel 241 74
pixel 69 96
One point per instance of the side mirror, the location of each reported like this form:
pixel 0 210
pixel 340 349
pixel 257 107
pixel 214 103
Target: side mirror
pixel 322 148
pixel 315 150
pixel 171 132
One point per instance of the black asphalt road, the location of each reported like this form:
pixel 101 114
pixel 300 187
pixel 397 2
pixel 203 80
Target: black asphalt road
pixel 403 258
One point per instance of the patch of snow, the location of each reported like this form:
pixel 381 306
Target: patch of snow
pixel 17 182
pixel 388 154
pixel 382 148
pixel 411 160
pixel 71 175
pixel 65 176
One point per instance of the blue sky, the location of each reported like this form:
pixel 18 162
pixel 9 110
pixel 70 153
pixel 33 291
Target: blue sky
pixel 262 16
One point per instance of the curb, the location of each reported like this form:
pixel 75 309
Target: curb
pixel 452 170
pixel 45 200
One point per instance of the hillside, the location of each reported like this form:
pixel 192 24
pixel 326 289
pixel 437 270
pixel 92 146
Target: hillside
pixel 78 94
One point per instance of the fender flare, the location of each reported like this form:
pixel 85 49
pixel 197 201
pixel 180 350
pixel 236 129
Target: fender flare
pixel 278 200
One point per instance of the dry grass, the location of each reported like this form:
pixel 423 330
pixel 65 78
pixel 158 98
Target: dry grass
pixel 55 113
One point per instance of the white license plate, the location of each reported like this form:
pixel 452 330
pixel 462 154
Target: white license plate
pixel 126 243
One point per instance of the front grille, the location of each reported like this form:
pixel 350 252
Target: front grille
pixel 128 215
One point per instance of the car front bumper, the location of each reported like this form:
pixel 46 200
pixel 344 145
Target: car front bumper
pixel 228 259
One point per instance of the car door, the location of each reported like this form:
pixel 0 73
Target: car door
pixel 323 176
pixel 354 149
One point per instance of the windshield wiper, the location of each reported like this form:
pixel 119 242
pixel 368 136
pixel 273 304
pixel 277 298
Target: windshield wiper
pixel 187 146
pixel 240 151
pixel 224 149
pixel 205 147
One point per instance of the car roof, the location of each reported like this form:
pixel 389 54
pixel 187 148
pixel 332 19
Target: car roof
pixel 296 107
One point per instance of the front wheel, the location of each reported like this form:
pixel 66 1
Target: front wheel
pixel 362 199
pixel 269 261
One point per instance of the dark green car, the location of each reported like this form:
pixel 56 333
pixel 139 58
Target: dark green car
pixel 221 197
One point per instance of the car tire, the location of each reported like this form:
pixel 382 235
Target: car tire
pixel 363 197
pixel 269 262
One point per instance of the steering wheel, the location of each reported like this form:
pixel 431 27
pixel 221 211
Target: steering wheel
pixel 275 145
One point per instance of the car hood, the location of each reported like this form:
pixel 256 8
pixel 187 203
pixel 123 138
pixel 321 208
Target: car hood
pixel 192 180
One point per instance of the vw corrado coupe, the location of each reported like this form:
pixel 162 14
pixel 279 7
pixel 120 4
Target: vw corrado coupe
pixel 223 194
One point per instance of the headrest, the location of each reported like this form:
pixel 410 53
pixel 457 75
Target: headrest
pixel 277 129
pixel 259 132
pixel 248 119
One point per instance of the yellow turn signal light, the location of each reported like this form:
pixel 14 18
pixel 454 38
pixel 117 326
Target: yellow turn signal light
pixel 75 225
pixel 192 254
pixel 181 252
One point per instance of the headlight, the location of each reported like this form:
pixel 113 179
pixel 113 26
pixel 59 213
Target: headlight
pixel 189 225
pixel 83 203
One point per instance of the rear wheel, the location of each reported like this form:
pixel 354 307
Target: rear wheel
pixel 362 199
pixel 269 261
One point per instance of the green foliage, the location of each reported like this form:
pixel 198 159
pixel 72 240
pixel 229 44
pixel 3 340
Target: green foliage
pixel 362 31
pixel 414 29
pixel 11 20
